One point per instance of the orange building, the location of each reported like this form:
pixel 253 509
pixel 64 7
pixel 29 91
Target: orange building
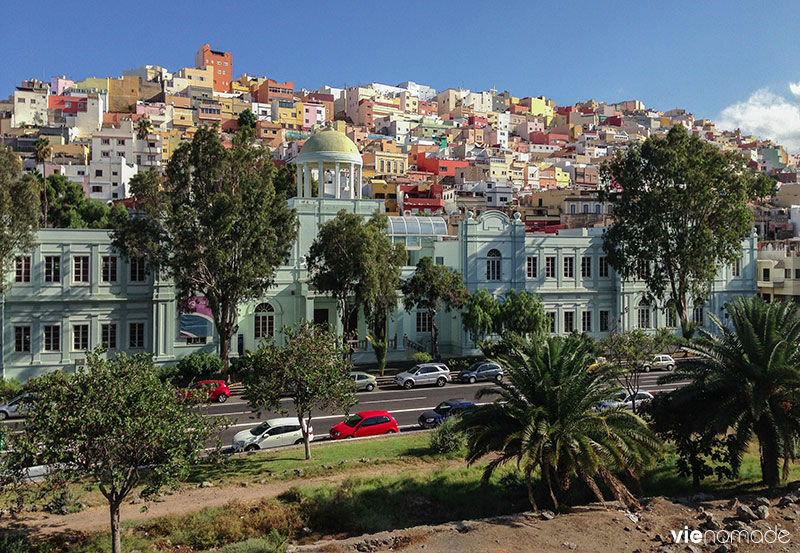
pixel 222 63
pixel 271 90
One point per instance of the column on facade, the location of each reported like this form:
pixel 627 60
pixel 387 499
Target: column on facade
pixel 300 179
pixel 351 176
pixel 307 181
pixel 358 182
pixel 321 180
pixel 336 183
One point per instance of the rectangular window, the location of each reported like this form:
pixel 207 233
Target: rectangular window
pixel 22 266
pixel 105 141
pixel 797 273
pixel 265 326
pixel 423 322
pixel 22 338
pixel 736 270
pixel 52 268
pixel 644 317
pixel 533 263
pixel 569 321
pixel 109 268
pixel 109 335
pixel 672 319
pixel 586 321
pixel 52 338
pixel 551 315
pixel 80 268
pixel 603 270
pixel 604 320
pixel 569 267
pixel 765 274
pixel 697 315
pixel 121 141
pixel 550 267
pixel 138 272
pixel 80 337
pixel 136 335
pixel 586 266
pixel 196 340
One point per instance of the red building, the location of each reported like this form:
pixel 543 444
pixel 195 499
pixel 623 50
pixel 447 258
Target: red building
pixel 421 198
pixel 67 104
pixel 429 108
pixel 222 63
pixel 441 167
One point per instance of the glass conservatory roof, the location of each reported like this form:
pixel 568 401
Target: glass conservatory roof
pixel 417 226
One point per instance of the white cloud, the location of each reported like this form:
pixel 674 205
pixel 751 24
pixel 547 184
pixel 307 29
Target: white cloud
pixel 767 115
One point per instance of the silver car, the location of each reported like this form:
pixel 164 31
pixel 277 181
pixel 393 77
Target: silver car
pixel 482 370
pixel 623 399
pixel 17 407
pixel 663 362
pixel 424 374
pixel 363 381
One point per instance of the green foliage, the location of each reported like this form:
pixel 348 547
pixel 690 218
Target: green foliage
pixel 431 288
pixel 448 437
pixel 199 365
pixel 679 215
pixel 544 419
pixel 247 119
pixel 217 227
pixel 143 128
pixel 42 150
pixel 422 357
pixel 274 543
pixel 749 371
pixel 310 368
pixel 354 261
pixel 682 417
pixel 106 422
pixel 9 389
pixel 521 314
pixel 19 210
pixel 64 503
pixel 68 206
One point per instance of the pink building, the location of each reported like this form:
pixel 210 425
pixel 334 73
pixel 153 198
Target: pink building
pixel 313 114
pixel 150 109
pixel 59 84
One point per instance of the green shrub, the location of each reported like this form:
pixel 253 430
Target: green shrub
pixel 447 437
pixel 10 543
pixel 198 365
pixel 9 389
pixel 64 503
pixel 273 543
pixel 422 357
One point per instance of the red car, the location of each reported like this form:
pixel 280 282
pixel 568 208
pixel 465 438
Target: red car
pixel 365 423
pixel 217 390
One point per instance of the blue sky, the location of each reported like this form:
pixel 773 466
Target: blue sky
pixel 701 56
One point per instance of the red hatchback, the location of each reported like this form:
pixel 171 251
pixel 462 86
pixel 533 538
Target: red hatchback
pixel 365 423
pixel 216 390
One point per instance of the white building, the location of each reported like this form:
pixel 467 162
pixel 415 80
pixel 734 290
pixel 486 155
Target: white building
pixel 30 104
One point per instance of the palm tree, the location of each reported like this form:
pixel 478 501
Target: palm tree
pixel 42 150
pixel 41 184
pixel 751 371
pixel 545 420
pixel 143 129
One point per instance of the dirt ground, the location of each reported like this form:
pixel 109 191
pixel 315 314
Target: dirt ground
pixel 589 529
pixel 592 528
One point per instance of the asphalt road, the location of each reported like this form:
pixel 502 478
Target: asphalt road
pixel 405 405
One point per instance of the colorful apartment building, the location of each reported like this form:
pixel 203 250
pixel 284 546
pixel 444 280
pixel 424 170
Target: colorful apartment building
pixel 222 64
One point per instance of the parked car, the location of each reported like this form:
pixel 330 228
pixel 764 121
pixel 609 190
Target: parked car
pixel 448 408
pixel 17 407
pixel 215 390
pixel 624 399
pixel 664 362
pixel 364 381
pixel 365 423
pixel 271 433
pixel 482 370
pixel 423 374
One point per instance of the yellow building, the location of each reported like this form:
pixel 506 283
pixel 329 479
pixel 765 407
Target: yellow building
pixel 386 191
pixel 170 140
pixel 390 164
pixel 100 83
pixel 288 114
pixel 778 271
pixel 562 177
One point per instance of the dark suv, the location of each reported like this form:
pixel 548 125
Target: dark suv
pixel 431 419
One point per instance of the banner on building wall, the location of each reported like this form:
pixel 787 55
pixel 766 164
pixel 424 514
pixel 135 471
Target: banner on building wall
pixel 196 318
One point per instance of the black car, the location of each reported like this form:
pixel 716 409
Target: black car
pixel 431 419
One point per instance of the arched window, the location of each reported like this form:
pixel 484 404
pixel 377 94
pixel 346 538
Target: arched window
pixel 264 321
pixel 586 208
pixel 597 208
pixel 644 314
pixel 494 261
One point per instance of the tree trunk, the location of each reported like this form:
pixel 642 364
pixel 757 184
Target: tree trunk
pixel 529 486
pixel 116 539
pixel 770 454
pixel 435 328
pixel 224 351
pixel 304 426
